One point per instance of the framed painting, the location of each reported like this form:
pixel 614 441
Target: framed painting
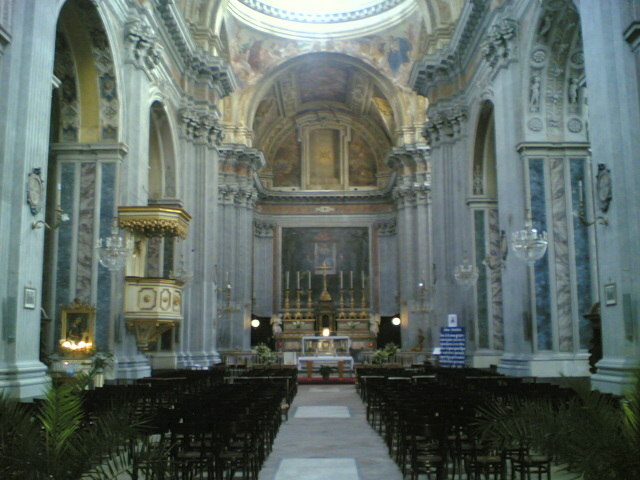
pixel 78 322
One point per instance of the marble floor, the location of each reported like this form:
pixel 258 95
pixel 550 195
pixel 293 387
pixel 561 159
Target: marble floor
pixel 327 437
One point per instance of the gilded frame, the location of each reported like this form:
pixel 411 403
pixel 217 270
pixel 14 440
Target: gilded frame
pixel 78 322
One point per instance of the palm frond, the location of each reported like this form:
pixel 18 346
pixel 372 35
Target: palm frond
pixel 60 415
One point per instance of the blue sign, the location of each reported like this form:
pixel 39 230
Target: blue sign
pixel 452 347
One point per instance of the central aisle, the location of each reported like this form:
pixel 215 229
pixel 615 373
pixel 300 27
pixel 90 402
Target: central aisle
pixel 327 437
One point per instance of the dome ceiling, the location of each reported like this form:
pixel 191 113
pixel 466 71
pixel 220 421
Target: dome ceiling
pixel 323 19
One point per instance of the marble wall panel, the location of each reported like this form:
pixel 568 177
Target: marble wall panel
pixel 86 215
pixel 481 285
pixel 496 281
pixel 107 210
pixel 582 254
pixel 542 286
pixel 561 255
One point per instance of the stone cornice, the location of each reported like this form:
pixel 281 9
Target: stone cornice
pixel 433 70
pixel 411 156
pixel 214 69
pixel 201 63
pixel 331 198
pixel 242 155
pixel 445 123
pixel 201 124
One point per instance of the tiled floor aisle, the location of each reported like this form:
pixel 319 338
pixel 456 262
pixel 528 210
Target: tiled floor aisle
pixel 327 437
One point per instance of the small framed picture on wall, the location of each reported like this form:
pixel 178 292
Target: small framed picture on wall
pixel 610 296
pixel 30 298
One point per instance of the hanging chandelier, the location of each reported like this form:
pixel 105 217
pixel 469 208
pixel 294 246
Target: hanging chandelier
pixel 466 274
pixel 114 251
pixel 528 244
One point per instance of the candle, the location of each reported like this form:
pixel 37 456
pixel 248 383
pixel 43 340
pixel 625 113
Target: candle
pixel 351 279
pixel 287 281
pixel 341 284
pixel 363 279
pixel 298 277
pixel 227 278
pixel 309 279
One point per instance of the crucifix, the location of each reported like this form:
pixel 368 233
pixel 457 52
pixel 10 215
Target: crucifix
pixel 324 296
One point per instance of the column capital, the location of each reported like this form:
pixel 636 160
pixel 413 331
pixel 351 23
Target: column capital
pixel 386 228
pixel 263 229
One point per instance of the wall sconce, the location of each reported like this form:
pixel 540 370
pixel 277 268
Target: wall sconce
pixel 466 274
pixel 527 244
pixel 495 262
pixel 602 195
pixel 61 217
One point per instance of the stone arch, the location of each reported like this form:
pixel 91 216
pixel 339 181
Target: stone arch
pixel 88 95
pixel 386 87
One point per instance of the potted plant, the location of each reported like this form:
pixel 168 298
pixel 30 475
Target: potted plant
pixel 325 371
pixel 595 436
pixel 265 355
pixel 381 356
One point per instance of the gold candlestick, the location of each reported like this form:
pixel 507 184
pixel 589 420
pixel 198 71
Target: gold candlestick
pixel 309 305
pixel 364 313
pixel 342 314
pixel 287 314
pixel 352 314
pixel 298 314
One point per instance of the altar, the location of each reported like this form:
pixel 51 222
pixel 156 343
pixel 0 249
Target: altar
pixel 322 345
pixel 325 351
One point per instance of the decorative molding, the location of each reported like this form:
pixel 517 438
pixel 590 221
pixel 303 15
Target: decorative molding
pixel 201 63
pixel 201 126
pixel 379 7
pixel 144 50
pixel 263 229
pixel 499 45
pixel 155 221
pixel 445 124
pixel 241 155
pixel 432 71
pixel 214 69
pixel 386 228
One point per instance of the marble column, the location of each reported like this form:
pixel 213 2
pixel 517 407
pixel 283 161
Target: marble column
pixel 412 198
pixel 236 198
pixel 611 61
pixel 27 66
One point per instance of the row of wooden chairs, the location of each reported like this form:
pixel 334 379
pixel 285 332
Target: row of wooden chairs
pixel 427 425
